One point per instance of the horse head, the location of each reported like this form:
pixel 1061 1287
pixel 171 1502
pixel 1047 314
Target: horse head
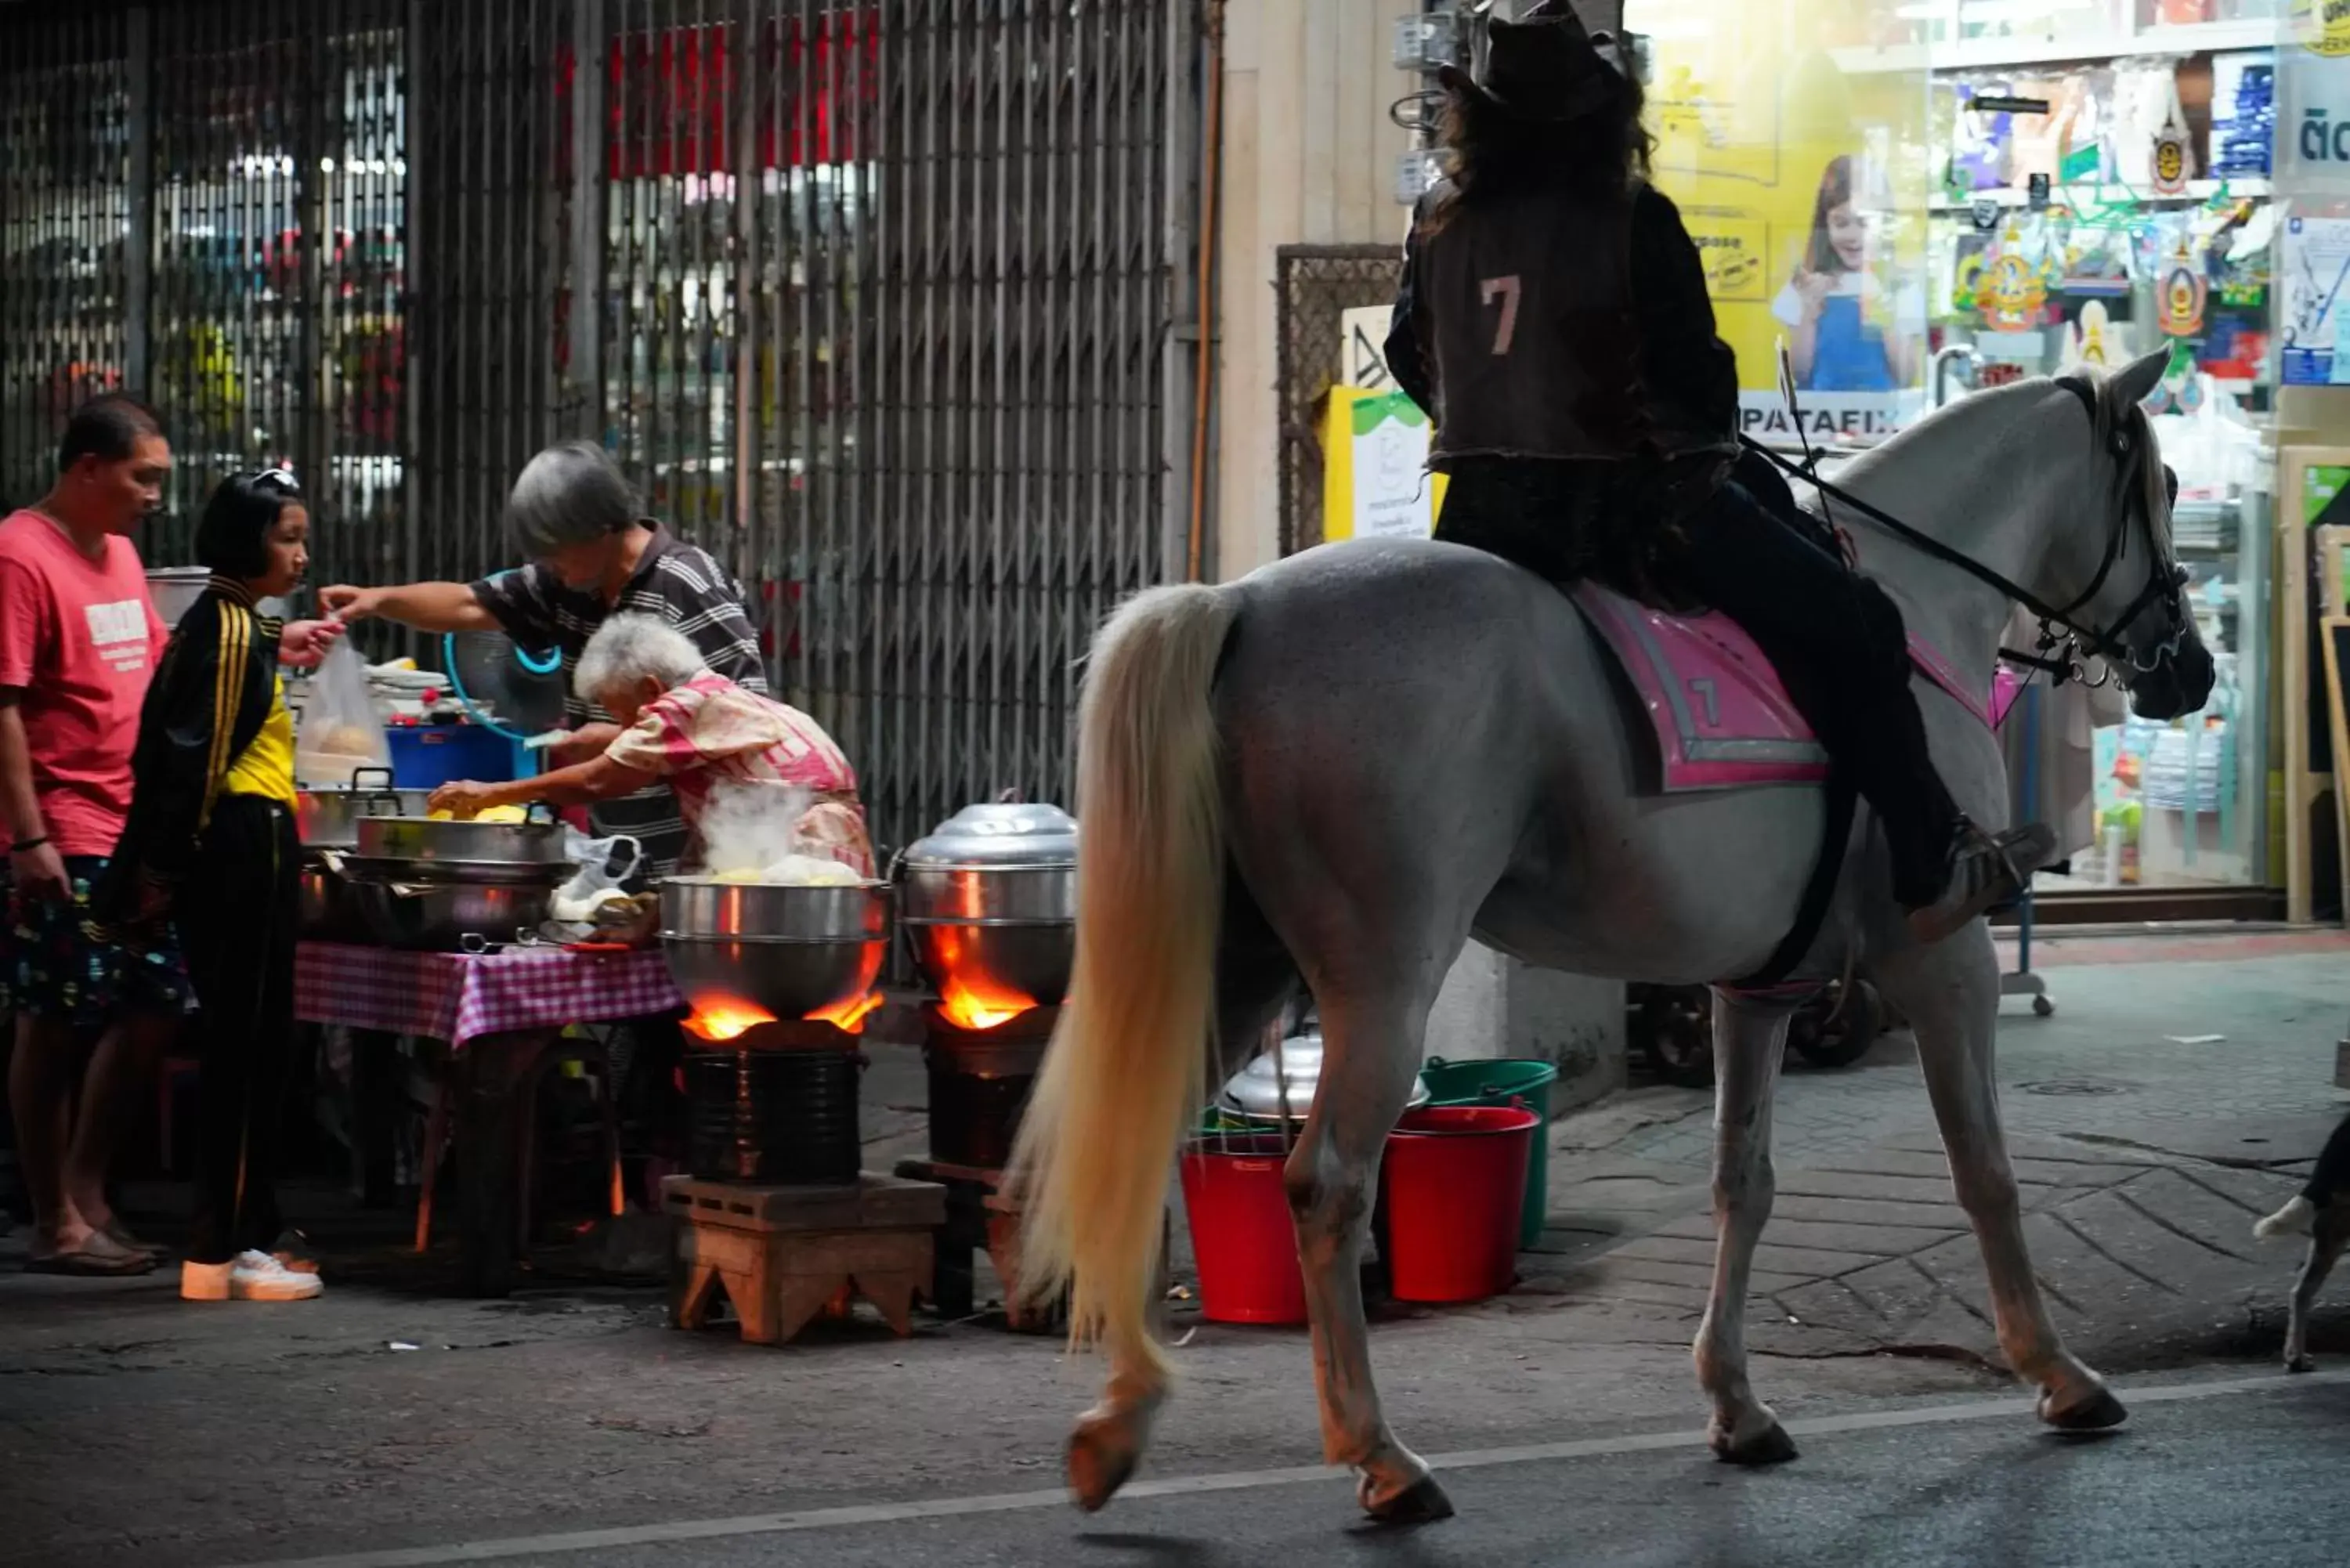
pixel 2117 582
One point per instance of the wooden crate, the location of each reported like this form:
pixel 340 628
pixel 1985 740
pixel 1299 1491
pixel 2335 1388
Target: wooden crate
pixel 783 1254
pixel 979 1218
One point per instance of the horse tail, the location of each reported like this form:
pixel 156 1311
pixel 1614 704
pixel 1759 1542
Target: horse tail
pixel 1128 1065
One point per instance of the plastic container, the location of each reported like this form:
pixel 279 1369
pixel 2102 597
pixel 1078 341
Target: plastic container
pixel 426 755
pixel 1503 1082
pixel 1452 1183
pixel 1241 1231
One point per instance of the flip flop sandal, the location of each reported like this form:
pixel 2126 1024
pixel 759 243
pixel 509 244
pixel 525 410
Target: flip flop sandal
pixel 119 1234
pixel 89 1262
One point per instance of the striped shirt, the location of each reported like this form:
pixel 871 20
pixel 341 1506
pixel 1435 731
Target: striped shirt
pixel 687 589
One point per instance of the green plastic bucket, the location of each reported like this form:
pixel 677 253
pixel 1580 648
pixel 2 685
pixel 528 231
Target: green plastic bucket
pixel 1498 1083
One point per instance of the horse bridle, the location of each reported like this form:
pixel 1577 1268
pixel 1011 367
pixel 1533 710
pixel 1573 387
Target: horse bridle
pixel 2065 645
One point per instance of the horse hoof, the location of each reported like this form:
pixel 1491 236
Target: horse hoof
pixel 1095 1472
pixel 2300 1364
pixel 1421 1503
pixel 1773 1447
pixel 2098 1413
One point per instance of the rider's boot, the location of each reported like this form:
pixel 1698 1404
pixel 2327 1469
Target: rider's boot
pixel 1985 872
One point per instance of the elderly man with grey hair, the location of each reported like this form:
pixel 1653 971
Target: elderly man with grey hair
pixel 684 723
pixel 592 554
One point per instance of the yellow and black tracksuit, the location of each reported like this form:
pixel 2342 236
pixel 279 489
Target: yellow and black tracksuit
pixel 210 843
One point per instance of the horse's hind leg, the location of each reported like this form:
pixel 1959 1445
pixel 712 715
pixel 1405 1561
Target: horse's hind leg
pixel 1371 1054
pixel 1950 993
pixel 1254 979
pixel 2328 1238
pixel 1747 1042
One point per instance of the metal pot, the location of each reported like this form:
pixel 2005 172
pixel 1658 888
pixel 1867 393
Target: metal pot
pixel 794 951
pixel 329 814
pixel 990 900
pixel 449 908
pixel 172 590
pixel 478 843
pixel 1254 1092
pixel 328 913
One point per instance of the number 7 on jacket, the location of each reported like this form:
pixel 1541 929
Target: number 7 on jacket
pixel 1506 290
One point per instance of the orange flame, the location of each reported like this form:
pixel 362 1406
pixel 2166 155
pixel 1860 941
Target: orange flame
pixel 719 1018
pixel 981 1007
pixel 849 1016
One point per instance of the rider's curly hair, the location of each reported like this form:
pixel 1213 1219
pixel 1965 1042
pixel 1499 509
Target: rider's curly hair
pixel 1487 152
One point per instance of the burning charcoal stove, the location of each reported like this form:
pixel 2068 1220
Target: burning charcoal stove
pixel 989 903
pixel 979 1080
pixel 776 1106
pixel 779 980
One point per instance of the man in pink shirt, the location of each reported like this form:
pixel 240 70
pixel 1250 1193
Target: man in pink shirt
pixel 78 641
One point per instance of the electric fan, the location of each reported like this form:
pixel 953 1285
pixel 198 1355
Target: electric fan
pixel 510 688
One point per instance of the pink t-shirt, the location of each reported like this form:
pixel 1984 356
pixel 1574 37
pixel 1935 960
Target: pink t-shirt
pixel 711 732
pixel 81 637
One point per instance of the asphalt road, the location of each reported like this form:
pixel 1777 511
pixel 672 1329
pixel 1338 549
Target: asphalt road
pixel 2245 1471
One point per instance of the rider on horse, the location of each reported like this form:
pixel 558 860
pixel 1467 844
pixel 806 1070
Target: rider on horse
pixel 1553 320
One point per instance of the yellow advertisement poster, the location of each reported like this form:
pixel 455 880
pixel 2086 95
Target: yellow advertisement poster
pixel 1375 482
pixel 1805 188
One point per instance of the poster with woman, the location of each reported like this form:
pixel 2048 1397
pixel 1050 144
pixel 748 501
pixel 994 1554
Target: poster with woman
pixel 1847 331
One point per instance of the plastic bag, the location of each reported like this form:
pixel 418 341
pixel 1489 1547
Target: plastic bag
pixel 339 729
pixel 604 864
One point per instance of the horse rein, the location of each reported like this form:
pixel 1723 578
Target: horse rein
pixel 2060 657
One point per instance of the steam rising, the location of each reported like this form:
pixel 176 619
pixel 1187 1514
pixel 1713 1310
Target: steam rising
pixel 751 831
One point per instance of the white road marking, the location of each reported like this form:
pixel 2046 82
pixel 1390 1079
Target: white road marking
pixel 464 1552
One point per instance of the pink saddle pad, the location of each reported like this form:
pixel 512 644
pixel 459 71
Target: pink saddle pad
pixel 1723 718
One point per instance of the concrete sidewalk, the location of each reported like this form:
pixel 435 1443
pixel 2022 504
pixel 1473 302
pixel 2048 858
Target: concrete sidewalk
pixel 2175 1098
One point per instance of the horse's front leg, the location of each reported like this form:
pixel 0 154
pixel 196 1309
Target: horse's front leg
pixel 1950 993
pixel 1371 1056
pixel 1747 1042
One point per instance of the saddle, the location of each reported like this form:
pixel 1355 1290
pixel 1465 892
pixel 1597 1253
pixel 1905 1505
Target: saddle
pixel 1722 716
pixel 1722 719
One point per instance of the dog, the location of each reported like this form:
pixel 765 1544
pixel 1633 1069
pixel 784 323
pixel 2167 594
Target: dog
pixel 2322 1213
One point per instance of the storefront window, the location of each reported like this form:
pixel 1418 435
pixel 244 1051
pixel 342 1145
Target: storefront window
pixel 1923 199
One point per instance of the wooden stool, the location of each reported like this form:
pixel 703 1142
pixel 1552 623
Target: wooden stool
pixel 785 1254
pixel 979 1218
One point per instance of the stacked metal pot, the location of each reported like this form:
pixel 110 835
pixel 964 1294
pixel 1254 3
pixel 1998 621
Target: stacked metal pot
pixel 327 818
pixel 988 901
pixel 408 881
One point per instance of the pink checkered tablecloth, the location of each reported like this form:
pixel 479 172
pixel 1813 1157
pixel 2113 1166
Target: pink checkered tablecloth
pixel 456 996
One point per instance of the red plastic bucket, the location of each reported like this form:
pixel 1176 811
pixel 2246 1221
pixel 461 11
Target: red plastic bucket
pixel 1454 1178
pixel 1240 1230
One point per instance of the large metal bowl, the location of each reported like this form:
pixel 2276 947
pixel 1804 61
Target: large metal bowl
pixel 450 915
pixel 327 913
pixel 420 838
pixel 991 960
pixel 792 951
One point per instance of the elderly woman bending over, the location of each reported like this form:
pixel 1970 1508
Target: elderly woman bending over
pixel 707 737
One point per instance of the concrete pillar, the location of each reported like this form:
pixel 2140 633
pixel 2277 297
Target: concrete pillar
pixel 1494 1006
pixel 1308 157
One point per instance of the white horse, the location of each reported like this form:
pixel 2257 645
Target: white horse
pixel 1341 768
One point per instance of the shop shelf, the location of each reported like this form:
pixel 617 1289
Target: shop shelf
pixel 2078 196
pixel 1996 54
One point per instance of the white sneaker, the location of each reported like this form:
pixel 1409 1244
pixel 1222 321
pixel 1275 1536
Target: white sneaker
pixel 204 1282
pixel 252 1277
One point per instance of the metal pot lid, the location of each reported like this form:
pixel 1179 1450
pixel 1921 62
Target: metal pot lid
pixel 1255 1091
pixel 1008 837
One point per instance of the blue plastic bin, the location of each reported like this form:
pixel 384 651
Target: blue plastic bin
pixel 423 755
